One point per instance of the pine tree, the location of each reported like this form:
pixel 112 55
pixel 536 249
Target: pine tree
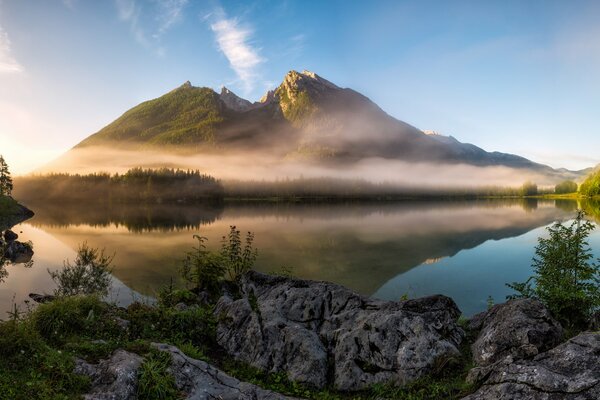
pixel 6 185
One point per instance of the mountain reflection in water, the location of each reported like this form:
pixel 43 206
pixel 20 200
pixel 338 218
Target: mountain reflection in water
pixel 369 248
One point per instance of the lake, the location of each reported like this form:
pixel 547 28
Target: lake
pixel 464 249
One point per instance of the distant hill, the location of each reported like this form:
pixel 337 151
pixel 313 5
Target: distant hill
pixel 305 118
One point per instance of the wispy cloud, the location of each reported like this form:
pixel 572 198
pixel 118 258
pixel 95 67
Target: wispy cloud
pixel 150 20
pixel 235 43
pixel 69 3
pixel 8 64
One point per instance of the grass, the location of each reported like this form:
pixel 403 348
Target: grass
pixel 37 351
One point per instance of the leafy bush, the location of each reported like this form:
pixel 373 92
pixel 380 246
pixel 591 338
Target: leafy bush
pixel 238 259
pixel 566 279
pixel 84 316
pixel 202 268
pixel 91 273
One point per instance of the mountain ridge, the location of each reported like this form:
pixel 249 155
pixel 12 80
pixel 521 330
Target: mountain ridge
pixel 306 117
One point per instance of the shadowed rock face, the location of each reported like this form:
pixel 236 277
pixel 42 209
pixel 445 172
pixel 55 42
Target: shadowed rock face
pixel 116 378
pixel 569 371
pixel 201 381
pixel 320 333
pixel 519 328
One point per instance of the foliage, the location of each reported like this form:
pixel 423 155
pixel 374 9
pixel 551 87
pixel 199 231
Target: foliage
pixel 529 189
pixel 163 185
pixel 6 184
pixel 565 277
pixel 565 187
pixel 202 268
pixel 238 258
pixel 185 116
pixel 591 185
pixel 91 273
pixel 155 382
pixel 84 316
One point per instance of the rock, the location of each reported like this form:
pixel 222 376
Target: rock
pixel 112 379
pixel 202 381
pixel 320 333
pixel 10 236
pixel 519 328
pixel 570 371
pixel 17 252
pixel 122 323
pixel 41 298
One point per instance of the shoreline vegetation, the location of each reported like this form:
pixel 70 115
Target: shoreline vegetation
pixel 74 342
pixel 173 186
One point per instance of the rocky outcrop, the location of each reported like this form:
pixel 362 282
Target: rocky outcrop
pixel 18 252
pixel 201 381
pixel 117 379
pixel 320 333
pixel 570 371
pixel 519 328
pixel 112 379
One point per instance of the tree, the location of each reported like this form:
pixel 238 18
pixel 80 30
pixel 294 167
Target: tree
pixel 6 184
pixel 91 273
pixel 565 277
pixel 529 189
pixel 591 185
pixel 565 187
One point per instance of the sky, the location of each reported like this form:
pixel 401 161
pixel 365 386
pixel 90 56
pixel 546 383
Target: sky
pixel 518 76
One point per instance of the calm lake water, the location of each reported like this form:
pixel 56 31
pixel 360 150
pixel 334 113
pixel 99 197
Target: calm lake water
pixel 467 250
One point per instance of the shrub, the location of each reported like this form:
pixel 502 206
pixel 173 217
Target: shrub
pixel 238 259
pixel 91 273
pixel 202 268
pixel 84 316
pixel 565 278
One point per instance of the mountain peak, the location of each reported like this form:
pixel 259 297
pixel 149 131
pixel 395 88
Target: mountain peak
pixel 233 101
pixel 306 80
pixel 186 85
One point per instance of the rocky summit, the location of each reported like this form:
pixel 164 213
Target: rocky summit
pixel 322 334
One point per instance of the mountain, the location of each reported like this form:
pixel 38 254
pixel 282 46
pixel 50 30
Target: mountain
pixel 305 118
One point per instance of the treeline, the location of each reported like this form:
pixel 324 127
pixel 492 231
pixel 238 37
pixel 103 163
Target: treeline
pixel 591 186
pixel 333 188
pixel 137 185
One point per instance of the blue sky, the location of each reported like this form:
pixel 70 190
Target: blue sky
pixel 515 76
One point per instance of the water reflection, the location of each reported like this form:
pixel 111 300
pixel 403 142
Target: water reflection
pixel 366 247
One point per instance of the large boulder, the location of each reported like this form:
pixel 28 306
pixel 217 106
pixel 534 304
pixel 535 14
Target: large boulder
pixel 201 381
pixel 519 328
pixel 320 333
pixel 570 371
pixel 113 379
pixel 17 252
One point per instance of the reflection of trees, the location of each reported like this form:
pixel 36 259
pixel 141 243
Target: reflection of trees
pixel 592 208
pixel 136 218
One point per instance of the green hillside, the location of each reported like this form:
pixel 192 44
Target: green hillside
pixel 186 115
pixel 591 185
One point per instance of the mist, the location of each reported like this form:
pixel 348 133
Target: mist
pixel 248 165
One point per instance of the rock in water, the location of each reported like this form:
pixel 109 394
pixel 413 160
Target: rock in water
pixel 201 381
pixel 10 236
pixel 519 328
pixel 114 379
pixel 320 333
pixel 570 371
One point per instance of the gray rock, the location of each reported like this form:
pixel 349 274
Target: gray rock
pixel 112 379
pixel 201 381
pixel 18 252
pixel 10 236
pixel 569 371
pixel 320 333
pixel 519 328
pixel 41 298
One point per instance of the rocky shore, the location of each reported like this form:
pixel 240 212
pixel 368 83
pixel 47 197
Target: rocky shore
pixel 324 336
